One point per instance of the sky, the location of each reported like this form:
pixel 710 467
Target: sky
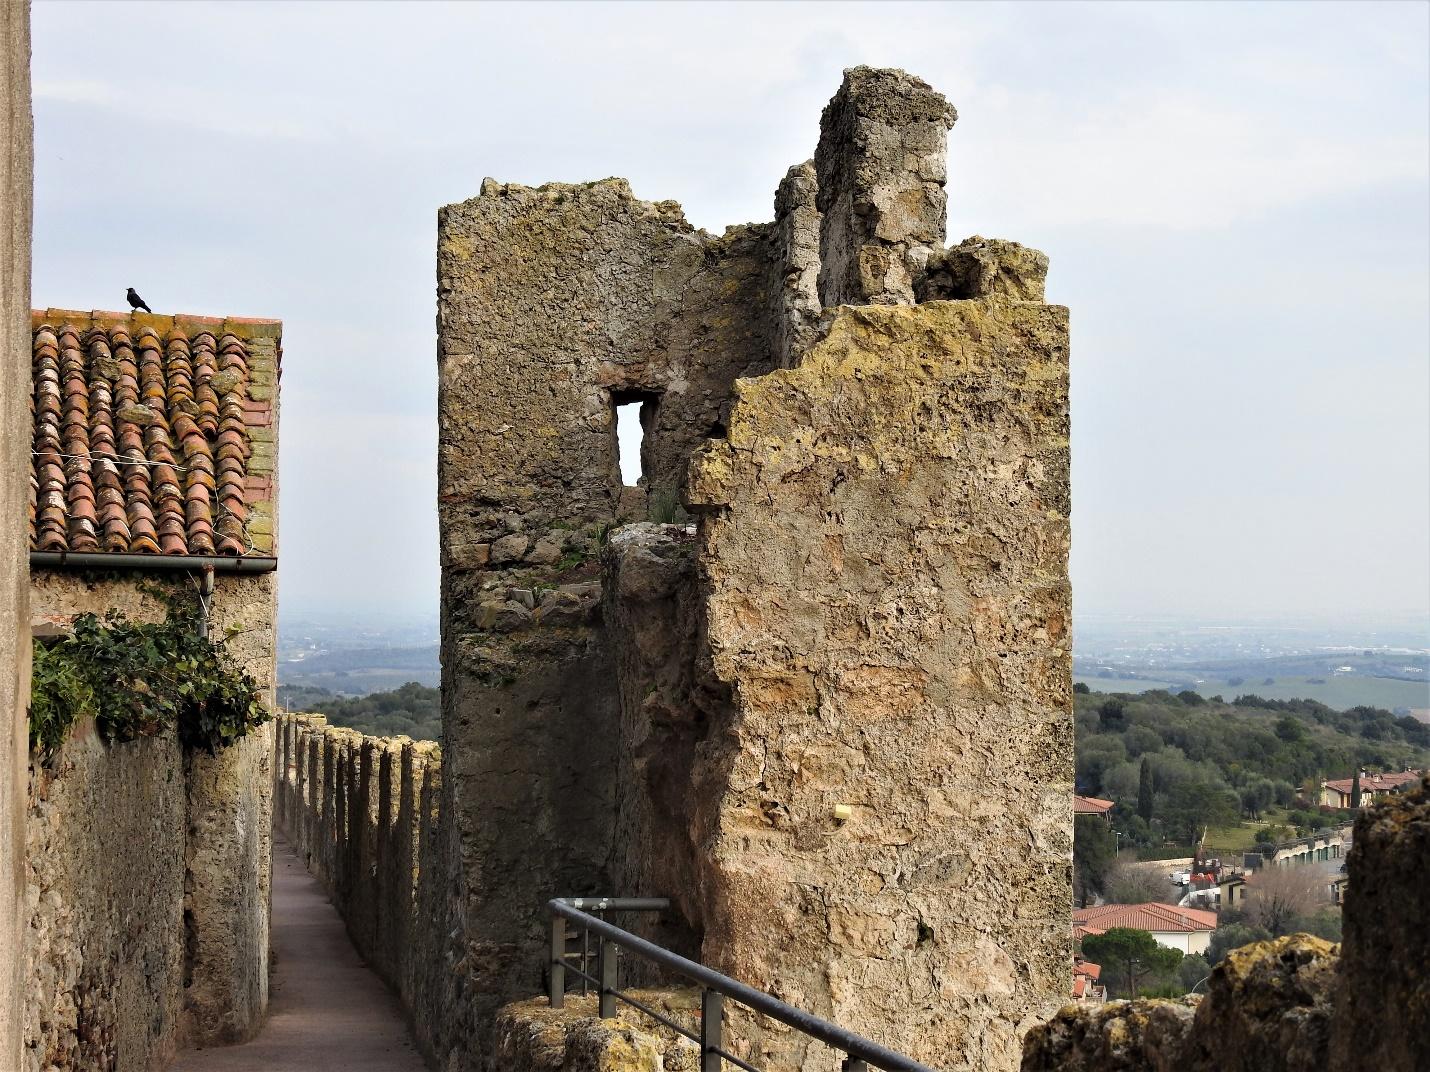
pixel 1235 198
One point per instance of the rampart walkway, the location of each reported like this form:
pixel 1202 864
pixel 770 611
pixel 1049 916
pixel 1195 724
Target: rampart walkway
pixel 328 1012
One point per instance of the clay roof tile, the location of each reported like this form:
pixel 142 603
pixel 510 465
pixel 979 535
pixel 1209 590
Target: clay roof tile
pixel 140 437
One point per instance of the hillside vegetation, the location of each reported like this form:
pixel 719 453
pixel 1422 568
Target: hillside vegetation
pixel 1179 764
pixel 413 710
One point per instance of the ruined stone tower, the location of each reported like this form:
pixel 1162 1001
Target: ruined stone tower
pixel 831 717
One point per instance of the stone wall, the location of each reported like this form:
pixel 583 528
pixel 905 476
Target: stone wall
pixel 556 305
pixel 222 835
pixel 16 185
pixel 883 548
pixel 106 946
pixel 1383 1010
pixel 363 813
pixel 870 612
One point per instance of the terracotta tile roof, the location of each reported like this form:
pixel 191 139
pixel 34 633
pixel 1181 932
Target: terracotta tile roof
pixel 1151 916
pixel 1086 967
pixel 1375 783
pixel 1091 805
pixel 142 434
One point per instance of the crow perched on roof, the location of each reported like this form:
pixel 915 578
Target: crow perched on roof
pixel 135 302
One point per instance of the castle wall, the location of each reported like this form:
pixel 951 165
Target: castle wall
pixel 16 189
pixel 881 168
pixel 1383 999
pixel 883 551
pixel 556 304
pixel 222 836
pixel 105 954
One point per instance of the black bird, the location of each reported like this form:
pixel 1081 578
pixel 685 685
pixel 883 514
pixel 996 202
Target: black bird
pixel 136 302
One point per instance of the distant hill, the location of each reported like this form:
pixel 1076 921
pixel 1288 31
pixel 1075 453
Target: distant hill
pixel 1178 764
pixel 1338 679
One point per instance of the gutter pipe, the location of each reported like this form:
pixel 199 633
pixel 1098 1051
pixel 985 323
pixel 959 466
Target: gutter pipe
pixel 107 560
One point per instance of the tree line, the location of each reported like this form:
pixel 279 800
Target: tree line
pixel 1178 765
pixel 413 710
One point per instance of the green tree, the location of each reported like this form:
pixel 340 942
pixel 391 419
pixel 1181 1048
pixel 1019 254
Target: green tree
pixel 1355 790
pixel 1145 796
pixel 1256 796
pixel 1193 806
pixel 1130 956
pixel 1192 970
pixel 1094 853
pixel 1290 729
pixel 1113 714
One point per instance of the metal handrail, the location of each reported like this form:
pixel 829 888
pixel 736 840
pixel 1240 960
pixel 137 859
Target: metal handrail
pixel 862 1052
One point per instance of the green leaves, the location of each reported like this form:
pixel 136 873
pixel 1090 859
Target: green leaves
pixel 140 680
pixel 1130 957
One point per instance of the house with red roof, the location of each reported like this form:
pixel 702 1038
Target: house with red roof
pixel 1092 806
pixel 1087 988
pixel 1337 792
pixel 153 485
pixel 1188 930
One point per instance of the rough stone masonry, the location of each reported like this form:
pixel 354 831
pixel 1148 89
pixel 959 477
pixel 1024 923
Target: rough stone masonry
pixel 841 580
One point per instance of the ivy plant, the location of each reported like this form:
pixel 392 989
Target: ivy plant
pixel 141 679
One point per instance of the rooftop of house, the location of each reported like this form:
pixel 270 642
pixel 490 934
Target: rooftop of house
pixel 153 435
pixel 1150 916
pixel 1376 783
pixel 1086 967
pixel 1091 805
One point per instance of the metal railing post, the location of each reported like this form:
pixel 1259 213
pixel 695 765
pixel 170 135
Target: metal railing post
pixel 855 1064
pixel 606 953
pixel 558 962
pixel 585 960
pixel 712 1017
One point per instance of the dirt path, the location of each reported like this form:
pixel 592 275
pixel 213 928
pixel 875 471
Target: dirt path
pixel 327 1011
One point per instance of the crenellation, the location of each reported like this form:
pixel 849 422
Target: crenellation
pixel 794 266
pixel 881 172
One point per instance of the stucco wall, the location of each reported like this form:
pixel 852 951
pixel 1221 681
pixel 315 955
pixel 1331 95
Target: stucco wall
pixel 16 184
pixel 223 835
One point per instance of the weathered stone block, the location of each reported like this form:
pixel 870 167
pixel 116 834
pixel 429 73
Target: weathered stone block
pixel 509 549
pixel 1383 1006
pixel 984 268
pixel 881 176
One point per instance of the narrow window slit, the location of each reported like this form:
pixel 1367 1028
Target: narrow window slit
pixel 634 412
